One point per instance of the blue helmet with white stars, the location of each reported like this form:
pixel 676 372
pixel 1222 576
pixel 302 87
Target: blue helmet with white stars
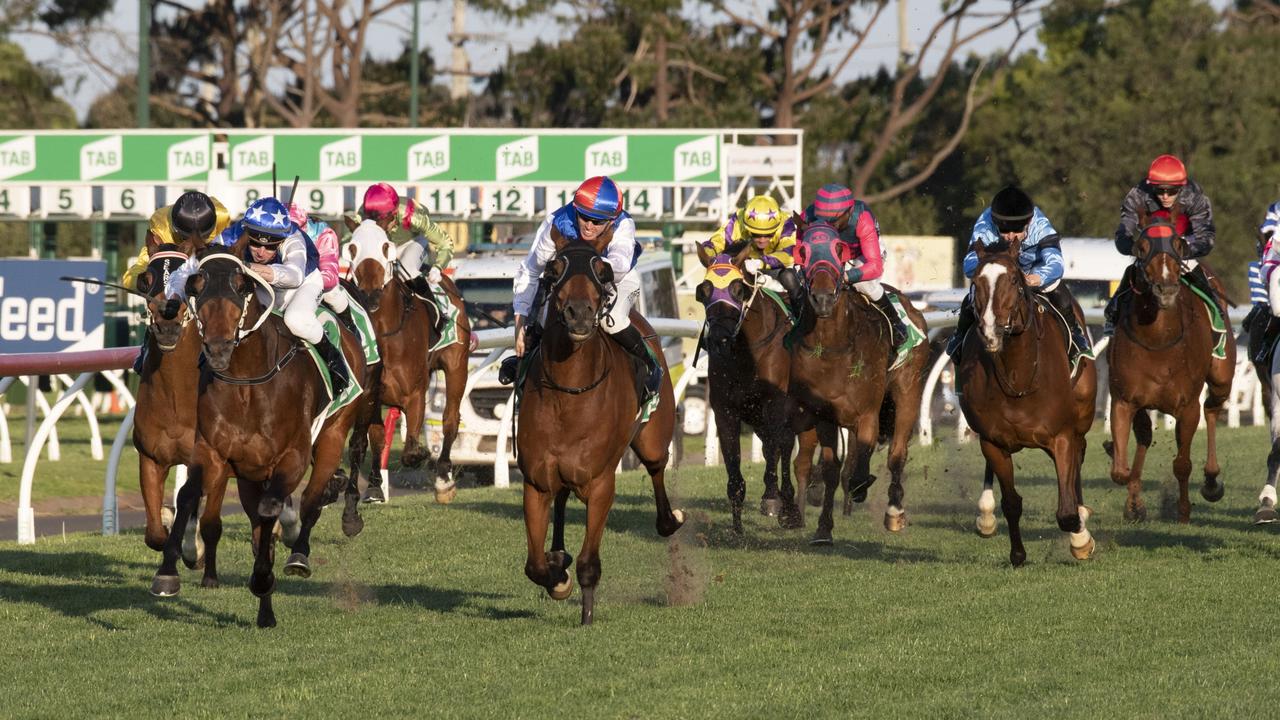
pixel 268 217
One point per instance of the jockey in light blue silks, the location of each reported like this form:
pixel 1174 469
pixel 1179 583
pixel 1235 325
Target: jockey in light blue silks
pixel 596 206
pixel 1013 218
pixel 286 259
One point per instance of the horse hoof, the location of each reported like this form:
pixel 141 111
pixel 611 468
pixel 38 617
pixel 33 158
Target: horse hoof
pixel 822 537
pixel 445 494
pixel 298 566
pixel 1084 552
pixel 166 585
pixel 1017 557
pixel 1265 515
pixel 166 518
pixel 895 522
pixel 266 619
pixel 986 526
pixel 1135 514
pixel 770 507
pixel 1212 490
pixel 262 588
pixel 373 495
pixel 351 526
pixel 737 526
pixel 669 527
pixel 561 591
pixel 210 583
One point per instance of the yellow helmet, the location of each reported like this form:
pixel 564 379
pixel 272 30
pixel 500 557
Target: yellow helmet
pixel 762 215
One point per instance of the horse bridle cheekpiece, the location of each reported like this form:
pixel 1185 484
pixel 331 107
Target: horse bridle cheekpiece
pixel 579 259
pixel 247 297
pixel 171 259
pixel 821 250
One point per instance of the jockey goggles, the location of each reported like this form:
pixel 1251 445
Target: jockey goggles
pixel 1166 190
pixel 259 240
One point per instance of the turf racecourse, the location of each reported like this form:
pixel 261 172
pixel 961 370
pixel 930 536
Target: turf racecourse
pixel 428 612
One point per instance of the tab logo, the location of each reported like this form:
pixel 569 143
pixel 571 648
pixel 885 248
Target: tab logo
pixel 340 158
pixel 17 156
pixel 101 157
pixel 696 158
pixel 429 158
pixel 517 158
pixel 253 158
pixel 188 158
pixel 607 157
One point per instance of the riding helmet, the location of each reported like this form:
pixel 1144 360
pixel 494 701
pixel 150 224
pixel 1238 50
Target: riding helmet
pixel 379 200
pixel 193 215
pixel 598 198
pixel 268 217
pixel 1167 170
pixel 762 215
pixel 833 200
pixel 1011 209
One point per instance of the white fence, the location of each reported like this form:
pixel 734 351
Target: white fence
pixel 1246 398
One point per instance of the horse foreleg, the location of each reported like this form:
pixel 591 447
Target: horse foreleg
pixel 151 477
pixel 770 500
pixel 262 582
pixel 1122 419
pixel 537 566
pixel 1071 514
pixel 211 526
pixel 784 441
pixel 557 557
pixel 1134 509
pixel 166 582
pixel 904 423
pixel 729 431
pixel 455 381
pixel 794 504
pixel 327 458
pixel 1185 430
pixel 1219 391
pixel 986 523
pixel 1000 462
pixel 599 501
pixel 829 469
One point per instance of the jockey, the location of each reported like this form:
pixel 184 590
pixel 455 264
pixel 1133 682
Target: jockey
pixel 1265 302
pixel 194 217
pixel 858 227
pixel 769 241
pixel 596 207
pixel 409 226
pixel 285 258
pixel 1013 218
pixel 1167 188
pixel 326 242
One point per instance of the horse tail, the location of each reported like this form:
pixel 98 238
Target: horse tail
pixel 888 418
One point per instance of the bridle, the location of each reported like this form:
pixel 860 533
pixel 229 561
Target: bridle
pixel 578 259
pixel 194 302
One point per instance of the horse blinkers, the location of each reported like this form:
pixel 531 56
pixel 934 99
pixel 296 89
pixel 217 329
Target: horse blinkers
pixel 1160 250
pixel 574 304
pixel 226 328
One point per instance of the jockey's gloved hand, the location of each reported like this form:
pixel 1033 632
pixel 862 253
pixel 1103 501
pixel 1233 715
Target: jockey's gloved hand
pixel 434 276
pixel 753 266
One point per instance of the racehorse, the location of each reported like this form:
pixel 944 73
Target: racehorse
pixel 406 327
pixel 899 411
pixel 1161 357
pixel 255 418
pixel 748 372
pixel 579 413
pixel 1018 391
pixel 840 379
pixel 164 426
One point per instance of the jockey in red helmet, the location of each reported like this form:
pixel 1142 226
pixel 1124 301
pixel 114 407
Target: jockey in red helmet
pixel 595 208
pixel 1167 187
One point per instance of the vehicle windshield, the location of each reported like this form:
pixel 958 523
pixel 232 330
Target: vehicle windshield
pixel 487 296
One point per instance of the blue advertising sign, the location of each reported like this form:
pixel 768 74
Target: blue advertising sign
pixel 40 313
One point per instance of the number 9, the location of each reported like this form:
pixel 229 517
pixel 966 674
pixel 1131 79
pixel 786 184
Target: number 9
pixel 317 199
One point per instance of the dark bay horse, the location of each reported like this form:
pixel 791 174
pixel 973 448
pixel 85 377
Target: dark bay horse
pixel 578 415
pixel 1017 392
pixel 255 418
pixel 1161 357
pixel 748 373
pixel 164 428
pixel 840 378
pixel 405 326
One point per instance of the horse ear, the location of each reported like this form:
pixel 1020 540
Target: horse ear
pixel 603 270
pixel 143 282
pixel 558 238
pixel 387 250
pixel 799 221
pixel 703 292
pixel 705 255
pixel 350 249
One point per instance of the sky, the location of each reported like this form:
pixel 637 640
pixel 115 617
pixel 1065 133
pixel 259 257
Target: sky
pixel 486 53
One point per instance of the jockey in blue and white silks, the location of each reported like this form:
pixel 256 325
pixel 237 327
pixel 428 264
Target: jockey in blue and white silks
pixel 1013 218
pixel 284 257
pixel 596 206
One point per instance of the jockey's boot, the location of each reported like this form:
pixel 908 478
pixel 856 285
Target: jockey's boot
pixel 795 290
pixel 420 287
pixel 508 369
pixel 1200 281
pixel 633 342
pixel 963 323
pixel 1113 305
pixel 141 361
pixel 1060 298
pixel 350 322
pixel 336 363
pixel 885 303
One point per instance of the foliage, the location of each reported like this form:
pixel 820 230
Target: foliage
pixel 26 93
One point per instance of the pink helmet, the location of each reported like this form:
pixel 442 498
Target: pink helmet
pixel 379 200
pixel 297 215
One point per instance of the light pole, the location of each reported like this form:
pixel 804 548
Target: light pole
pixel 413 72
pixel 144 63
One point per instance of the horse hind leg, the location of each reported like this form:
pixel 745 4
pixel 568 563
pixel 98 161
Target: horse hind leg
pixel 1266 512
pixel 328 455
pixel 455 380
pixel 829 471
pixel 1135 510
pixel 904 421
pixel 1010 501
pixel 986 524
pixel 729 432
pixel 652 445
pixel 1185 431
pixel 1071 513
pixel 262 581
pixel 557 556
pixel 1213 489
pixel 211 530
pixel 537 566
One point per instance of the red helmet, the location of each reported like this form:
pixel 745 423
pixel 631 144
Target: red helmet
pixel 1167 170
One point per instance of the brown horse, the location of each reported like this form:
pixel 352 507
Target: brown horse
pixel 578 415
pixel 255 418
pixel 1017 391
pixel 164 429
pixel 406 328
pixel 748 373
pixel 840 378
pixel 1160 358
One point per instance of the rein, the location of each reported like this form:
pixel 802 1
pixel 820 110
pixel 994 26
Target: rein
pixel 549 382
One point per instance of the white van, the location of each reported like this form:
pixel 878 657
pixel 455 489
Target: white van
pixel 485 281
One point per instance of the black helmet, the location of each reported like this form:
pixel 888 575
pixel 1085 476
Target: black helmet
pixel 192 215
pixel 1011 209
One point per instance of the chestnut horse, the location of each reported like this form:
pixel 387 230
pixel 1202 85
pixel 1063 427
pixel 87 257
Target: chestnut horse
pixel 1017 391
pixel 1160 358
pixel 748 372
pixel 579 413
pixel 840 378
pixel 164 428
pixel 405 326
pixel 255 418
